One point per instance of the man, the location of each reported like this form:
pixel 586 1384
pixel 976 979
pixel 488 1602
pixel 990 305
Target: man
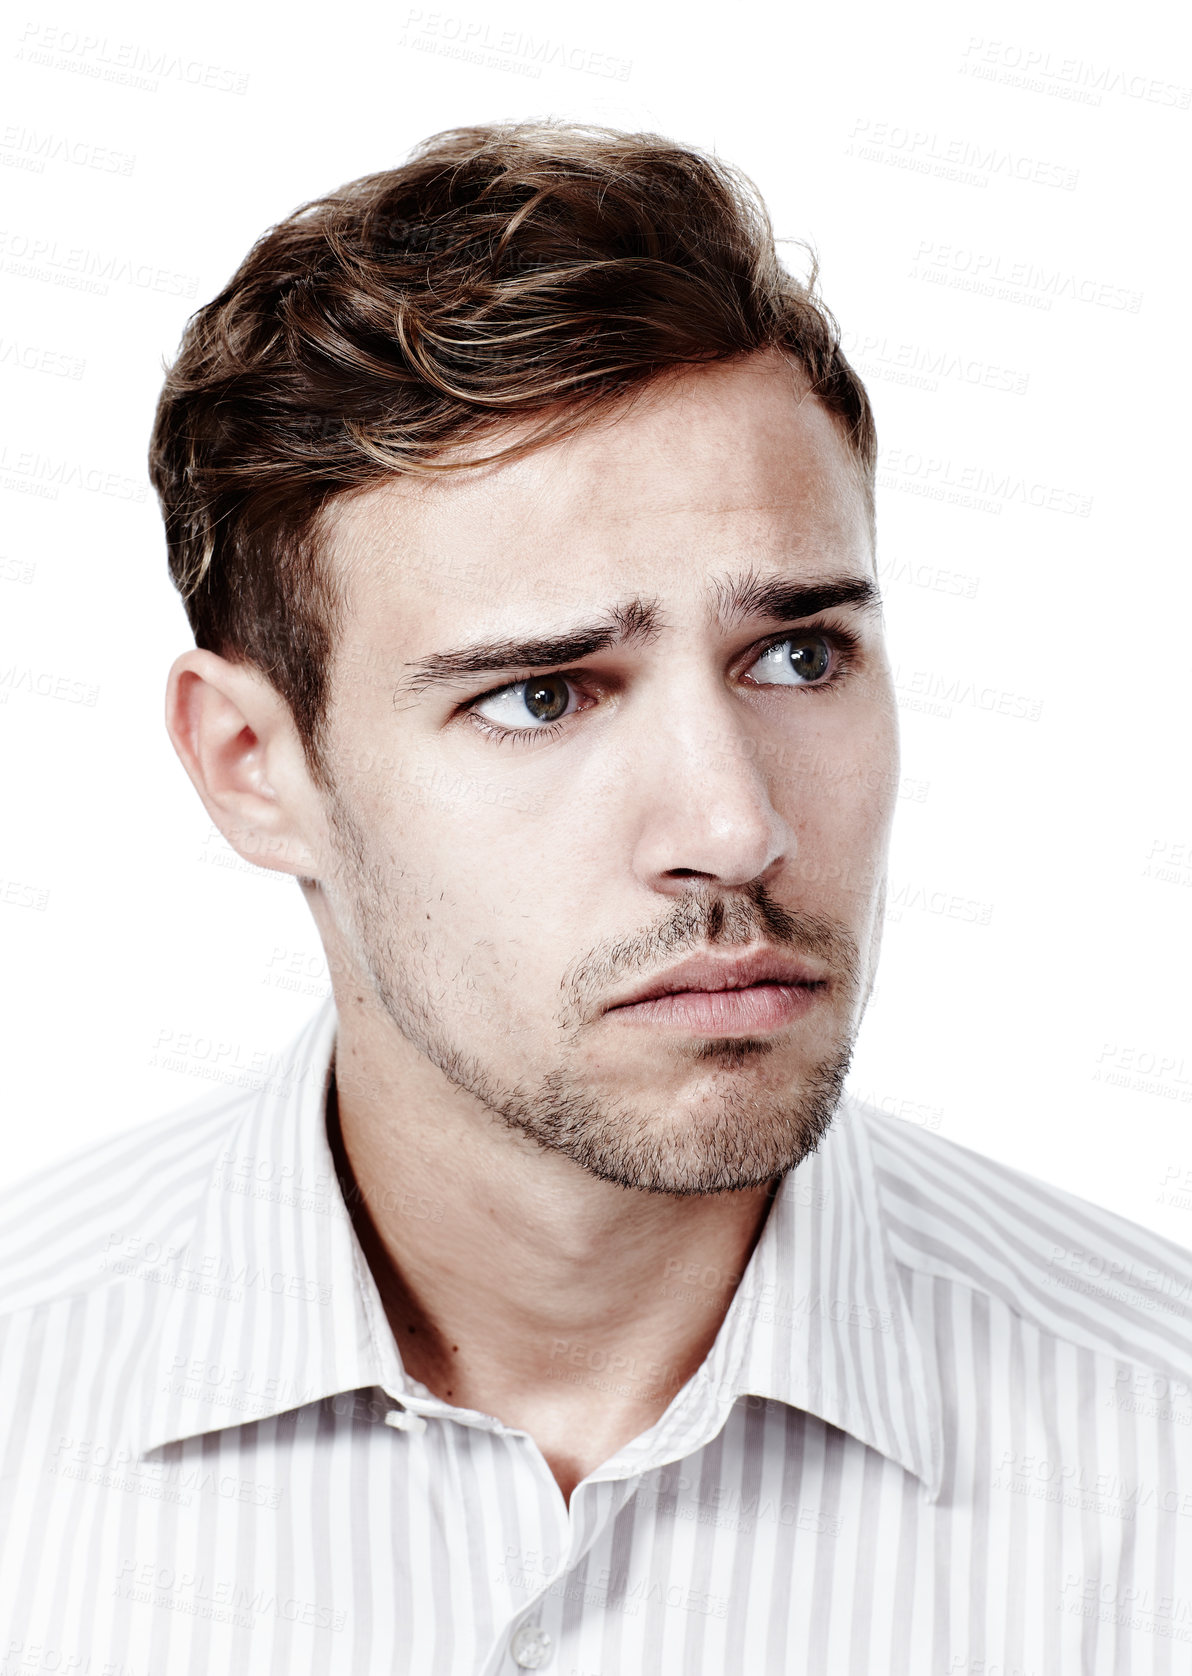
pixel 551 1306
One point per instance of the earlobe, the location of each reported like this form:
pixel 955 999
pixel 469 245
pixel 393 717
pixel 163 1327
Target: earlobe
pixel 236 739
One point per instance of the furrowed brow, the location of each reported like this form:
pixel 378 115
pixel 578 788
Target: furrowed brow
pixel 752 595
pixel 636 621
pixel 623 625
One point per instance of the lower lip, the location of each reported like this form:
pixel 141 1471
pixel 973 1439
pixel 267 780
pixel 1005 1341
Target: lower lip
pixel 724 1012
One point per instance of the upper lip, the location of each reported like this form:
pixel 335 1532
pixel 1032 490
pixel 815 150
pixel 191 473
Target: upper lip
pixel 707 971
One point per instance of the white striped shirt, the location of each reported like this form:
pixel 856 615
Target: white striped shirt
pixel 946 1427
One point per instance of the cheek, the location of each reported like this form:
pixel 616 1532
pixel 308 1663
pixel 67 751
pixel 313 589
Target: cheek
pixel 840 806
pixel 487 860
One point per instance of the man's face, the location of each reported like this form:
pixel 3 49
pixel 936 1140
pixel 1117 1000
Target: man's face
pixel 709 783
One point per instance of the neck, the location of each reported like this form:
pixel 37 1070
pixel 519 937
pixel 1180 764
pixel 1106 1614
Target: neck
pixel 516 1283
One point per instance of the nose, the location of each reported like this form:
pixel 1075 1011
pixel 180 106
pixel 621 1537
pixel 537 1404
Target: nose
pixel 706 811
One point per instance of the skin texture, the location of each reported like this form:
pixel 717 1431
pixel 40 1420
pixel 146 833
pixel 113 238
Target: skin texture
pixel 482 903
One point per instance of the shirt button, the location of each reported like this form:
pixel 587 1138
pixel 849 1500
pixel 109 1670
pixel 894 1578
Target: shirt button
pixel 403 1421
pixel 531 1647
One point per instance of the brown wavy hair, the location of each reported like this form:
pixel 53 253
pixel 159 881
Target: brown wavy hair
pixel 538 271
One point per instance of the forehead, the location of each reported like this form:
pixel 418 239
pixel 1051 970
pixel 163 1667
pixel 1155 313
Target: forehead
pixel 704 474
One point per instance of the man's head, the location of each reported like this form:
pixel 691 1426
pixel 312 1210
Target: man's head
pixel 543 384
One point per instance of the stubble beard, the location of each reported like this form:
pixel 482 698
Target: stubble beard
pixel 744 1137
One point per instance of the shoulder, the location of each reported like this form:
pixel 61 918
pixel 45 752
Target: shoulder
pixel 104 1212
pixel 1069 1267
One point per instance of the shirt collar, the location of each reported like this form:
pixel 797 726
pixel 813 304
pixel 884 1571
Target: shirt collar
pixel 271 1304
pixel 820 1319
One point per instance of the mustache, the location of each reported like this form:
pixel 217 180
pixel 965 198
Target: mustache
pixel 708 919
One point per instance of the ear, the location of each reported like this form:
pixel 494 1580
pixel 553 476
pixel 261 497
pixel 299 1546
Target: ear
pixel 237 740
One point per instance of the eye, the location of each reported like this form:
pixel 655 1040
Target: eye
pixel 799 660
pixel 543 699
pixel 529 712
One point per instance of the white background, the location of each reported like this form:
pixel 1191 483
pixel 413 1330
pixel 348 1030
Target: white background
pixel 997 198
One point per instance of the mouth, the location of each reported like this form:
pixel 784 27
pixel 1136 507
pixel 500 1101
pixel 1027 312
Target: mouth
pixel 755 1009
pixel 749 994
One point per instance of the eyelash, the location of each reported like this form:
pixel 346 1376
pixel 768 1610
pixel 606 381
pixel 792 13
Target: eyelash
pixel 844 643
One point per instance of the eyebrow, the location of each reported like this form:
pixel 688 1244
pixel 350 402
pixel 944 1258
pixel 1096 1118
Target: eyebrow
pixel 636 621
